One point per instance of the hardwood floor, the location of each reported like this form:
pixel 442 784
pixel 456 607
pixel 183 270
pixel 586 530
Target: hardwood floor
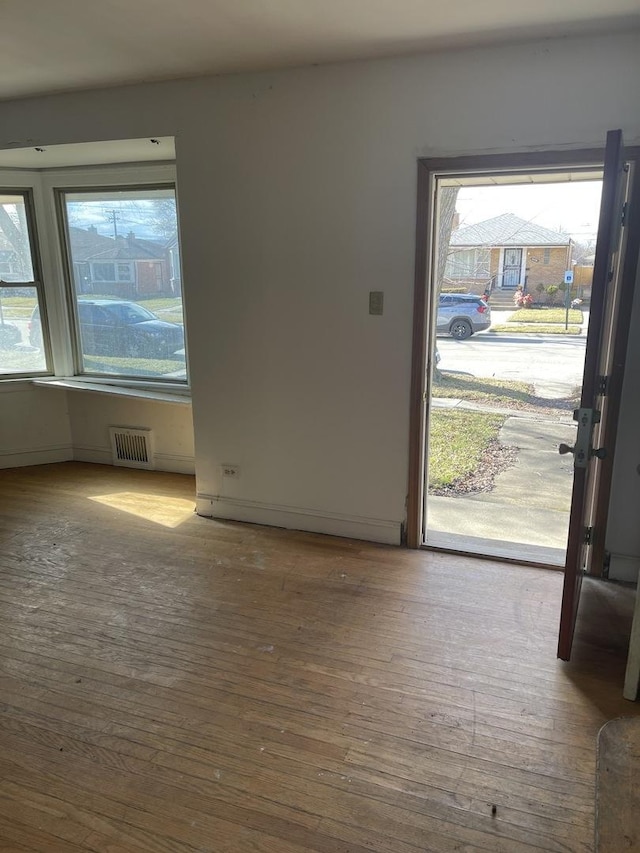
pixel 170 683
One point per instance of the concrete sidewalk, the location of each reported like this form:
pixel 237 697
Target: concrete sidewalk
pixel 526 514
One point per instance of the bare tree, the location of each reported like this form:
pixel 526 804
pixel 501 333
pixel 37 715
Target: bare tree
pixel 14 230
pixel 447 198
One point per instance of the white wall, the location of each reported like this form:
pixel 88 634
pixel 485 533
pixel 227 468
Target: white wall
pixel 91 414
pixel 34 425
pixel 41 425
pixel 297 196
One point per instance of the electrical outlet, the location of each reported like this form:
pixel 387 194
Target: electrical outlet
pixel 232 472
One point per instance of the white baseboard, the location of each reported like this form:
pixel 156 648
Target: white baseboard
pixel 163 461
pixel 623 568
pixel 296 518
pixel 176 464
pixel 19 458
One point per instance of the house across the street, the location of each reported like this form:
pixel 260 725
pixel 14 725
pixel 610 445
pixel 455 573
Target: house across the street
pixel 127 267
pixel 505 252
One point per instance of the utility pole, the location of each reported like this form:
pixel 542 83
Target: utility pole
pixel 114 218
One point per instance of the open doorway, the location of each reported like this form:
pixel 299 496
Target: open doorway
pixel 615 269
pixel 511 284
pixel 511 260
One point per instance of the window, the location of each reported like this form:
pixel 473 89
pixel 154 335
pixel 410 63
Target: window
pixel 24 347
pixel 126 299
pixel 468 263
pixel 547 256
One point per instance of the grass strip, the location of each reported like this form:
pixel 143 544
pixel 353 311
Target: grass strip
pixel 545 315
pixel 463 386
pixel 498 392
pixel 457 441
pixel 536 329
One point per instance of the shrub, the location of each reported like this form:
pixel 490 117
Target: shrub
pixel 523 300
pixel 552 292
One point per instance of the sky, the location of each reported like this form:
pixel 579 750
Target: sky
pixel 573 206
pixel 133 212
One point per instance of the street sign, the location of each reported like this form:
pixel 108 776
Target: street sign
pixel 568 277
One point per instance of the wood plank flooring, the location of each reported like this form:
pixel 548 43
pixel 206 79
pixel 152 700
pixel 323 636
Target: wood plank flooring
pixel 171 683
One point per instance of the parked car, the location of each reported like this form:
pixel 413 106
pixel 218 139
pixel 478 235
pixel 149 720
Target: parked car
pixel 119 328
pixel 462 314
pixel 9 335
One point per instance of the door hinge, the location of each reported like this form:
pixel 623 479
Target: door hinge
pixel 625 208
pixel 602 385
pixel 588 535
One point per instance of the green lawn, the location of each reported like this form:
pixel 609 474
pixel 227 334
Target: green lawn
pixel 537 329
pixel 173 303
pixel 496 392
pixel 545 315
pixel 132 366
pixel 18 361
pixel 17 307
pixel 462 386
pixel 457 440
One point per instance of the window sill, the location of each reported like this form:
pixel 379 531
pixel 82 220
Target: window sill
pixel 158 396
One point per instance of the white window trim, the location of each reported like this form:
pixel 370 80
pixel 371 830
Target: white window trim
pixel 44 185
pixel 28 181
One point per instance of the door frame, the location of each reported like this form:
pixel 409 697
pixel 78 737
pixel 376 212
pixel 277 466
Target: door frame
pixel 426 215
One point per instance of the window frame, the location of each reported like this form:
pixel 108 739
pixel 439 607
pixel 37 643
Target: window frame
pixel 96 179
pixel 41 185
pixel 28 194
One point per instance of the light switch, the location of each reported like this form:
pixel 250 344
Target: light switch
pixel 376 301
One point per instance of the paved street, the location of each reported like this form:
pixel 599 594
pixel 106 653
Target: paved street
pixel 552 363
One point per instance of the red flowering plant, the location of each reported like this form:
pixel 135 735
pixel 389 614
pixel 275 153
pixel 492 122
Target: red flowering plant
pixel 524 300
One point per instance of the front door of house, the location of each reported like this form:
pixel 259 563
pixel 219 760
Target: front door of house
pixel 512 268
pixel 614 276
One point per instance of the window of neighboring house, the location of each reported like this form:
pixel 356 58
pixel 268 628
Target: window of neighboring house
pixel 468 263
pixel 127 314
pixel 111 272
pixel 547 256
pixel 24 348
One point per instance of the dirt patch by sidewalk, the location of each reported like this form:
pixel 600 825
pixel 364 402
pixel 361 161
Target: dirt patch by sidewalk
pixel 496 457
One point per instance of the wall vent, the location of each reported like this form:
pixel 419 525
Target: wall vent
pixel 131 448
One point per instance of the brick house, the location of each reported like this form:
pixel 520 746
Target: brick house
pixel 505 252
pixel 127 267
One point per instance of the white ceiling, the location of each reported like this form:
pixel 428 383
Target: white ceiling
pixel 52 46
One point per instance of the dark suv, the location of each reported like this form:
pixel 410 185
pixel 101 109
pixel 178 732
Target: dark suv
pixel 117 327
pixel 462 314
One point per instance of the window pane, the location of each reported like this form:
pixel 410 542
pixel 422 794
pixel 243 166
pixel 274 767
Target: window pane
pixel 21 342
pixel 125 271
pixel 15 248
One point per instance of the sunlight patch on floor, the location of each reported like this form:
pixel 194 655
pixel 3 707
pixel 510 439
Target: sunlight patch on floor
pixel 167 511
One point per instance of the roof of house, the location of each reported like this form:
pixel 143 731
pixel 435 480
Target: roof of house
pixel 88 245
pixel 507 230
